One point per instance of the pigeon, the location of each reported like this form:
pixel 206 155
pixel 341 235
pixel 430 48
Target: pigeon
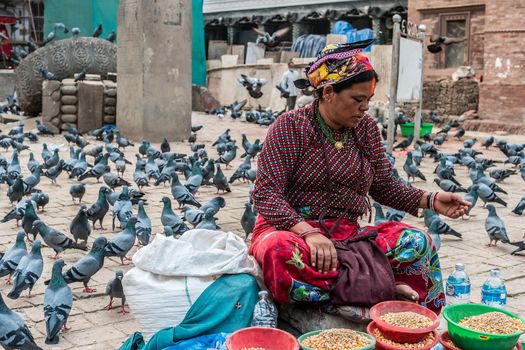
pixel 140 177
pixel 481 178
pixel 16 192
pixel 98 170
pixel 411 169
pixel 248 219
pixel 18 211
pixel 42 129
pixel 193 216
pixel 215 204
pixel 50 37
pixel 152 169
pixel 520 245
pixel 469 143
pixel 112 37
pixel 249 148
pixel 220 181
pixel 471 197
pixel 443 228
pixel 81 76
pixel 56 240
pixel 98 31
pixel 459 133
pixel 169 218
pixel 122 208
pixel 193 138
pixel 271 40
pixel 53 172
pixel 58 301
pixel 241 170
pixel 14 169
pixel 12 257
pixel 99 209
pixel 449 186
pixel 74 155
pixel 166 173
pixel 487 195
pixel 434 234
pixel 181 194
pixel 29 218
pixel 122 141
pixel 254 86
pixel 28 271
pixel 41 200
pixel 88 265
pixel 501 174
pixel 379 216
pixel 440 42
pixel 32 163
pixel 228 156
pixel 80 226
pixel 165 146
pixel 168 231
pixel 439 140
pixel 52 161
pixel 520 207
pixel 488 142
pixel 34 179
pixel 77 191
pixel 195 180
pixel 80 166
pixel 395 215
pixel 122 243
pixel 115 290
pixel 405 143
pixel 208 223
pixel 143 226
pixel 113 181
pixel 495 227
pixel 14 333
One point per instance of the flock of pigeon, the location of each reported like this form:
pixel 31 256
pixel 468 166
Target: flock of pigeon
pixel 100 155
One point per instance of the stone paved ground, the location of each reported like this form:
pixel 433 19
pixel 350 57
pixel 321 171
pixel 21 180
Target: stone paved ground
pixel 95 328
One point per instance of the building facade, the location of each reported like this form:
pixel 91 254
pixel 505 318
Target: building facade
pixel 494 47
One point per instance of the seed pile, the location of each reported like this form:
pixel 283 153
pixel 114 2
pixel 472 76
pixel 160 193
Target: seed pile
pixel 337 339
pixel 406 319
pixel 429 339
pixel 450 344
pixel 494 323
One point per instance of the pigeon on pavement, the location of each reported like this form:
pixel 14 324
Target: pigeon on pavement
pixel 28 271
pixel 58 301
pixel 114 290
pixel 14 333
pixel 495 227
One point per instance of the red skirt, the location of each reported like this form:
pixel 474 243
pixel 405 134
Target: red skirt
pixel 288 274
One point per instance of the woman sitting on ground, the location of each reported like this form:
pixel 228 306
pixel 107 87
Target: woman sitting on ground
pixel 294 187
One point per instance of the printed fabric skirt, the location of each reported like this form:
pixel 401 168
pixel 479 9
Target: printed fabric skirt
pixel 288 274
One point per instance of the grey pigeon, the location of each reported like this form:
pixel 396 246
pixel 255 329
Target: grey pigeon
pixel 53 160
pixel 41 199
pixel 165 146
pixel 220 181
pixel 495 227
pixel 42 129
pixel 77 191
pixel 115 290
pixel 248 219
pixel 140 177
pixel 443 228
pixel 168 231
pixel 472 197
pixel 29 218
pixel 166 173
pixel 113 181
pixel 80 166
pixel 14 169
pixel 411 169
pixel 208 223
pixel 241 170
pixel 481 178
pixel 32 163
pixel 520 245
pixel 152 169
pixel 16 192
pixel 46 153
pixel 169 218
pixel 28 271
pixel 228 157
pixel 488 142
pixel 216 203
pixel 487 195
pixel 53 172
pixel 88 265
pixel 143 226
pixel 181 194
pixel 56 239
pixel 193 216
pixel 98 170
pixel 58 301
pixel 195 180
pixel 14 333
pixel 395 215
pixel 12 257
pixel 379 216
pixel 99 209
pixel 122 243
pixel 18 211
pixel 405 143
pixel 520 207
pixel 501 174
pixel 122 209
pixel 80 227
pixel 449 186
pixel 34 179
pixel 434 234
pixel 459 133
pixel 469 143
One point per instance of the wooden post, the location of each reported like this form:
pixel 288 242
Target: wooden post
pixel 419 117
pixel 393 83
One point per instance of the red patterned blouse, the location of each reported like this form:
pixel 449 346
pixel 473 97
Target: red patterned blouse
pixel 292 180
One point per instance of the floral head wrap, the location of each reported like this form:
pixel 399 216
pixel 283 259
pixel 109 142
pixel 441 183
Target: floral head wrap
pixel 336 63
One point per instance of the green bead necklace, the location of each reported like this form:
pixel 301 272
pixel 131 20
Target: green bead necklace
pixel 329 133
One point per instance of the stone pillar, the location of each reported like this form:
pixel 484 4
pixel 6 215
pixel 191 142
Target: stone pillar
pixel 51 104
pixel 154 69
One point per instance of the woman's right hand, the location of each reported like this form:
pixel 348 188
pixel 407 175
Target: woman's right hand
pixel 323 255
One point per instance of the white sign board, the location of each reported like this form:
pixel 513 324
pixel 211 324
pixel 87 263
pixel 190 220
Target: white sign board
pixel 409 79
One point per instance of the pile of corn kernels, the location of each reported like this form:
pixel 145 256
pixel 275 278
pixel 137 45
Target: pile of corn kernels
pixel 407 319
pixel 429 339
pixel 494 323
pixel 336 339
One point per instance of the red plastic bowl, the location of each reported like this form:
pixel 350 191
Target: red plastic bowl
pixel 267 338
pixel 372 326
pixel 401 334
pixel 444 339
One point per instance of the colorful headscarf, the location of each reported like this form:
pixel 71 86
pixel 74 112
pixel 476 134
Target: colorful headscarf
pixel 336 63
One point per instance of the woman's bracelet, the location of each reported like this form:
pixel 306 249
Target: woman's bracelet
pixel 433 201
pixel 304 233
pixel 429 197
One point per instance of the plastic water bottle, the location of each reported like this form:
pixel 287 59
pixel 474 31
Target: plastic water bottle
pixel 264 312
pixel 458 286
pixel 493 291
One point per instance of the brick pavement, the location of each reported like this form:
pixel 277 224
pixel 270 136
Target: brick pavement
pixel 95 328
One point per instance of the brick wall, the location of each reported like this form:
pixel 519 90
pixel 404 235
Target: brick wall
pixel 447 97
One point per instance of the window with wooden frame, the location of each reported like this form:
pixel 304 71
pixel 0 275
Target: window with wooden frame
pixel 455 25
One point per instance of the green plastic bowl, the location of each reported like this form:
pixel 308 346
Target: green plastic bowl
pixel 371 346
pixel 408 128
pixel 468 339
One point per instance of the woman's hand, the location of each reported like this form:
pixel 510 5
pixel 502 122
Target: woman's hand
pixel 323 255
pixel 451 205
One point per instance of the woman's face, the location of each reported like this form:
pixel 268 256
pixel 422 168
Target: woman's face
pixel 347 107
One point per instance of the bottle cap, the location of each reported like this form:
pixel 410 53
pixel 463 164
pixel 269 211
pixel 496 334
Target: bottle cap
pixel 460 267
pixel 494 273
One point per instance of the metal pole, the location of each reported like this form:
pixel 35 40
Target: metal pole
pixel 419 117
pixel 394 71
